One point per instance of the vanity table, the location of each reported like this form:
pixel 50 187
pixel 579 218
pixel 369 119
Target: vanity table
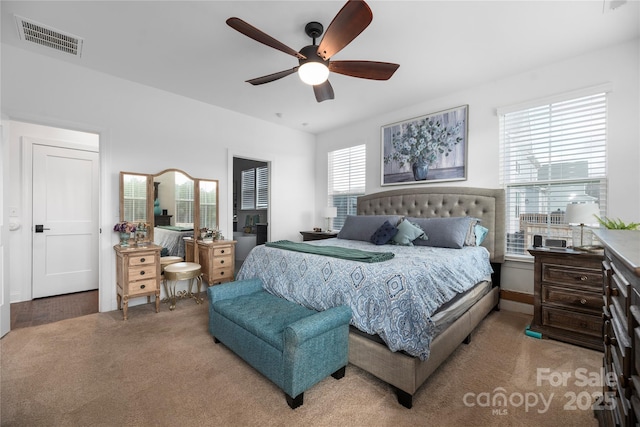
pixel 191 204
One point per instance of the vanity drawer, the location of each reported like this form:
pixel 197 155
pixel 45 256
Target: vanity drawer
pixel 221 275
pixel 141 272
pixel 141 259
pixel 222 251
pixel 570 298
pixel 574 321
pixel 572 275
pixel 221 262
pixel 142 287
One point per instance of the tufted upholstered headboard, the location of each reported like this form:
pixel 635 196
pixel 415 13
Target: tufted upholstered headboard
pixel 434 202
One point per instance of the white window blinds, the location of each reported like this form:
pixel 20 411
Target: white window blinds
pixel 184 200
pixel 135 198
pixel 552 155
pixel 346 176
pixel 255 188
pixel 248 199
pixel 262 187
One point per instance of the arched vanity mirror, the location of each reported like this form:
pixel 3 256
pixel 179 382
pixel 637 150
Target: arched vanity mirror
pixel 172 202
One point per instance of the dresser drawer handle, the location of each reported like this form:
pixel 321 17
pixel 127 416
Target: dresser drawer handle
pixel 582 278
pixel 222 251
pixel 222 273
pixel 583 301
pixel 221 261
pixel 142 273
pixel 143 259
pixel 143 286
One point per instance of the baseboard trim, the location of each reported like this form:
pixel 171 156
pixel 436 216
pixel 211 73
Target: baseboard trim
pixel 516 296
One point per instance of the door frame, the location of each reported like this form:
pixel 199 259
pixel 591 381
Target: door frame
pixel 27 144
pixel 260 157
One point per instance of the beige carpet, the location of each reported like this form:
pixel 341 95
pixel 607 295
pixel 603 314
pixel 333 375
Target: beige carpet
pixel 164 370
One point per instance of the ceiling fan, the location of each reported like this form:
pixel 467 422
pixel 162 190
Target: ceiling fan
pixel 314 61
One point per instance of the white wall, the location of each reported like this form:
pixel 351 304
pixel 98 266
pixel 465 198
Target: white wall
pixel 147 130
pixel 618 65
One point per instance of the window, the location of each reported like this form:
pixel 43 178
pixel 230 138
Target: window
pixel 248 200
pixel 551 155
pixel 255 188
pixel 135 198
pixel 346 178
pixel 184 200
pixel 262 187
pixel 208 206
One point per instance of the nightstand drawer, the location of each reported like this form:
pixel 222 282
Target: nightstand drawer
pixel 571 275
pixel 142 287
pixel 221 275
pixel 572 321
pixel 570 298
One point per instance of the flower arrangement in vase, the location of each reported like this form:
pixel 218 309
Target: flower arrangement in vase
pixel 125 229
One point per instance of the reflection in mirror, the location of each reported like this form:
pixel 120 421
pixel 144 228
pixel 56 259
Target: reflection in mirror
pixel 167 201
pixel 173 203
pixel 209 204
pixel 133 195
pixel 174 212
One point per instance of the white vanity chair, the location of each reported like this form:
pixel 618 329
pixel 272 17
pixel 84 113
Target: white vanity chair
pixel 175 272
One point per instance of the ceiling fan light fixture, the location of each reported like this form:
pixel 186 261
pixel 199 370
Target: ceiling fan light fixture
pixel 313 73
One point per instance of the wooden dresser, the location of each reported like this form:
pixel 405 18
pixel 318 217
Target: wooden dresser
pixel 137 274
pixel 217 259
pixel 621 313
pixel 568 296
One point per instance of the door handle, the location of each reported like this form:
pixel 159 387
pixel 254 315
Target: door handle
pixel 40 228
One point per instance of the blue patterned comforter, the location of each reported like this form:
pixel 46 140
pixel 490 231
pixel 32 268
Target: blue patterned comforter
pixel 394 299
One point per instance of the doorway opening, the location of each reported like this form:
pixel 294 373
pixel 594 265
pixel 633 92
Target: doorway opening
pixel 251 189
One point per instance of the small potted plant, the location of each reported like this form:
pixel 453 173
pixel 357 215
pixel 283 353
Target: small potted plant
pixel 125 229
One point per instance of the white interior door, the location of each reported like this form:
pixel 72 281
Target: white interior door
pixel 65 220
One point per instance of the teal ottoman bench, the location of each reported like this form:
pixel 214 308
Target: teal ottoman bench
pixel 293 346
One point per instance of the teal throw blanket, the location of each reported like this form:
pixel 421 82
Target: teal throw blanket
pixel 332 251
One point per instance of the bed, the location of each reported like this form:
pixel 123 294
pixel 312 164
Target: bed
pixel 427 332
pixel 172 239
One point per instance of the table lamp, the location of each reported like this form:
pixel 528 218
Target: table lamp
pixel 582 214
pixel 329 212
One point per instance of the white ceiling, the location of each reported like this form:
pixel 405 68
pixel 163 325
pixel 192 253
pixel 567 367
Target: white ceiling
pixel 185 47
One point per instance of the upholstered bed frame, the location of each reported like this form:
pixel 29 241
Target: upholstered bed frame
pixel 405 373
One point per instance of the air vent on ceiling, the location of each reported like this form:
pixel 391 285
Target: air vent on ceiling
pixel 50 37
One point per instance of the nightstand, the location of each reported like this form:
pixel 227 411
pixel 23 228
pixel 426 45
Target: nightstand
pixel 568 296
pixel 317 235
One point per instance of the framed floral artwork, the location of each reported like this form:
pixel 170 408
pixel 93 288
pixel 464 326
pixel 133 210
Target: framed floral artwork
pixel 430 148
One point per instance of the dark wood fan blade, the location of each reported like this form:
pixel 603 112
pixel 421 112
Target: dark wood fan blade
pixel 272 77
pixel 323 91
pixel 352 19
pixel 364 69
pixel 251 31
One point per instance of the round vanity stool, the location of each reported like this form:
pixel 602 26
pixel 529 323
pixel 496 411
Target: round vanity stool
pixel 166 260
pixel 181 271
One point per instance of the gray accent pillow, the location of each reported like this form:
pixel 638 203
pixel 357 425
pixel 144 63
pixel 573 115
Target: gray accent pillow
pixel 448 232
pixel 362 227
